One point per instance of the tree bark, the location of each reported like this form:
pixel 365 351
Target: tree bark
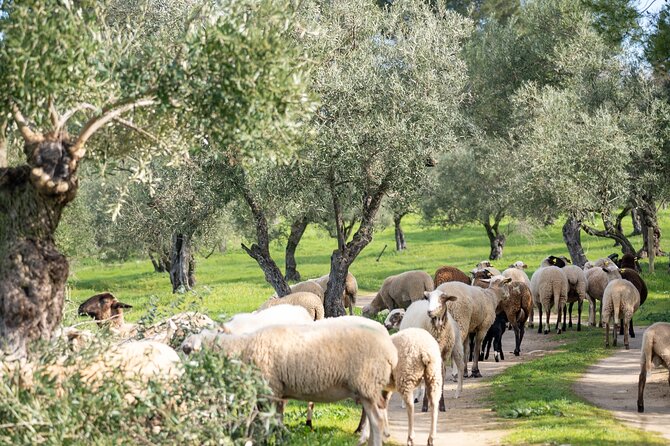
pixel 497 239
pixel 182 263
pixel 637 223
pixel 260 251
pixel 611 232
pixel 346 252
pixel 160 261
pixel 649 219
pixel 297 230
pixel 32 271
pixel 3 143
pixel 572 237
pixel 400 244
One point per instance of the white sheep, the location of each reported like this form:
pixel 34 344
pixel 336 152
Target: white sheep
pixel 349 293
pixel 308 286
pixel 655 350
pixel 276 315
pixel 596 281
pixel 577 286
pixel 310 301
pixel 549 287
pixel 323 361
pixel 620 299
pixel 400 291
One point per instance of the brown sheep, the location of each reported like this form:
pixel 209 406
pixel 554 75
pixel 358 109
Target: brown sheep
pixel 450 274
pixel 480 278
pixel 517 307
pixel 106 309
pixel 633 277
pixel 655 350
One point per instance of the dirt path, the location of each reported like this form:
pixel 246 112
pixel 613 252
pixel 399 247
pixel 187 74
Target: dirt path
pixel 468 420
pixel 612 384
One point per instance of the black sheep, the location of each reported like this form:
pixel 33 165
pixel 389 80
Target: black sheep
pixel 633 277
pixel 494 336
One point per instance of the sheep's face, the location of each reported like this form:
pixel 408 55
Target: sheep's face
pixel 195 342
pixel 437 306
pixel 499 284
pixel 483 264
pixel 518 265
pixel 394 319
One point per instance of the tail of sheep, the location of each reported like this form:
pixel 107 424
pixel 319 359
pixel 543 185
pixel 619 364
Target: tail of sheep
pixel 616 304
pixel 557 298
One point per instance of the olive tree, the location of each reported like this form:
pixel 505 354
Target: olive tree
pixel 389 83
pixel 69 69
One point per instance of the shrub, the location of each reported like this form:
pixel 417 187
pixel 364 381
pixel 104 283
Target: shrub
pixel 217 401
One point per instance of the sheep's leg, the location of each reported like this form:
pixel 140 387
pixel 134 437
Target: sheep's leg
pixel 592 312
pixel 547 327
pixel 631 331
pixel 565 310
pixel 466 352
pixel 475 363
pixel 531 315
pixel 487 346
pixel 625 334
pixel 500 349
pixel 640 389
pixel 517 338
pixel 600 324
pixel 434 386
pixel 457 361
pixel 614 333
pixel 539 311
pixel 407 398
pixel 579 315
pixel 621 326
pixel 361 422
pixel 310 411
pixel 570 312
pixel 607 334
pixel 373 424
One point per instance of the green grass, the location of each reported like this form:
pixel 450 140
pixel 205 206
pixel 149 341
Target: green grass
pixel 232 282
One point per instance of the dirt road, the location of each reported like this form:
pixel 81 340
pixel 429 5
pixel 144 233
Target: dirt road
pixel 612 384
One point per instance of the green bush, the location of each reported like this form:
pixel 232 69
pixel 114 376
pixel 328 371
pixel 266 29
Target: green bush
pixel 217 401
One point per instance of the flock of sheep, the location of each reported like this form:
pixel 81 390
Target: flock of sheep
pixel 451 317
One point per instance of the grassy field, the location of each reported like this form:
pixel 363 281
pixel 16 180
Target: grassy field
pixel 232 282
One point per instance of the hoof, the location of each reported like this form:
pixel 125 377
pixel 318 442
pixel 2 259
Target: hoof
pixel 416 400
pixel 640 408
pixel 308 423
pixel 475 374
pixel 559 331
pixel 424 408
pixel 430 442
pixel 441 407
pixel 632 335
pixel 410 442
pixel 546 331
pixel 626 346
pixel 516 352
pixel 454 378
pixel 496 356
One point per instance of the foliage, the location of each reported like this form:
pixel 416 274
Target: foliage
pixel 657 50
pixel 216 401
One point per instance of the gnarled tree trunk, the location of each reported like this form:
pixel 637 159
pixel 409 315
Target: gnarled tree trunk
pixel 160 261
pixel 182 263
pixel 32 271
pixel 573 240
pixel 637 222
pixel 297 230
pixel 400 244
pixel 649 219
pixel 611 231
pixel 260 251
pixel 497 239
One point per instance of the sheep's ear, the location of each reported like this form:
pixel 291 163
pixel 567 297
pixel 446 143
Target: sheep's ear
pixel 426 294
pixel 507 280
pixel 605 269
pixel 524 266
pixel 446 298
pixel 117 305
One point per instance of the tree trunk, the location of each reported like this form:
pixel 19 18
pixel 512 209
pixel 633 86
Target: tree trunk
pixel 572 237
pixel 611 232
pixel 346 253
pixel 297 230
pixel 400 244
pixel 3 143
pixel 497 239
pixel 637 223
pixel 182 263
pixel 32 271
pixel 161 261
pixel 649 219
pixel 261 251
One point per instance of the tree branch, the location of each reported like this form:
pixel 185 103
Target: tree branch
pixel 28 134
pixel 337 210
pixel 53 114
pixel 96 123
pixel 73 111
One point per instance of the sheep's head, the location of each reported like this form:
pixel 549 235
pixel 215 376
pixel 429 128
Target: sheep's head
pixel 437 306
pixel 518 265
pixel 500 284
pixel 612 272
pixel 553 261
pixel 194 343
pixel 479 276
pixel 394 318
pixel 103 307
pixel 483 264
